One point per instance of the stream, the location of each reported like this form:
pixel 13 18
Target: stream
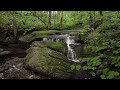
pixel 71 53
pixel 71 44
pixel 13 63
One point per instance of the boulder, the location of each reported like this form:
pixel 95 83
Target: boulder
pixel 47 62
pixel 1 49
pixel 5 53
pixel 1 75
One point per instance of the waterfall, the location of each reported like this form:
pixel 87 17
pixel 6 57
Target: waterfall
pixel 71 54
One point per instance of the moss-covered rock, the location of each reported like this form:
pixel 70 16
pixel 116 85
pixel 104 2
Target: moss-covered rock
pixel 4 53
pixel 58 46
pixel 35 35
pixel 48 62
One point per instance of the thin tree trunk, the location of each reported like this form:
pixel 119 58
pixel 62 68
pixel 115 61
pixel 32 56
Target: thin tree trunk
pixel 61 20
pixel 14 25
pixel 101 13
pixel 93 20
pixel 35 14
pixel 49 20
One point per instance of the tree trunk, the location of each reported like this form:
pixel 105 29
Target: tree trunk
pixel 39 17
pixel 14 25
pixel 61 20
pixel 101 13
pixel 49 20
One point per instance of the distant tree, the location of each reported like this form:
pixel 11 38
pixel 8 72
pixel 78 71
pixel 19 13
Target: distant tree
pixel 49 20
pixel 14 24
pixel 61 19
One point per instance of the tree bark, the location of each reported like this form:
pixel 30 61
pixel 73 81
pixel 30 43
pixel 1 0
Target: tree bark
pixel 61 20
pixel 101 13
pixel 49 20
pixel 14 25
pixel 35 14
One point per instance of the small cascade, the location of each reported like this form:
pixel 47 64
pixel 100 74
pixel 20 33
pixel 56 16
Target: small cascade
pixel 71 54
pixel 69 41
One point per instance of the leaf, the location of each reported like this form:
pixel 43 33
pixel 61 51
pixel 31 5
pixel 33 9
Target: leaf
pixel 110 76
pixel 105 70
pixel 117 74
pixel 102 76
pixel 93 74
pixel 98 63
pixel 116 52
pixel 93 68
pixel 84 67
pixel 84 60
pixel 89 67
pixel 72 67
pixel 89 63
pixel 78 67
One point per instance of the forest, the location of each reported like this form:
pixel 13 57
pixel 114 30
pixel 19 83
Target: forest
pixel 59 44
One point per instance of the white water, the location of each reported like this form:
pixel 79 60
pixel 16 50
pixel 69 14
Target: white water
pixel 71 54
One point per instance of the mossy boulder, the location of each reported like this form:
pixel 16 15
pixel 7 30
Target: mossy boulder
pixel 36 35
pixel 58 46
pixel 48 62
pixel 4 53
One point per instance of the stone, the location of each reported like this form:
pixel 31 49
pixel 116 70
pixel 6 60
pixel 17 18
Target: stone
pixel 39 60
pixel 1 75
pixel 57 33
pixel 1 49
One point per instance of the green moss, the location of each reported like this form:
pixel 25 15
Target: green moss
pixel 36 34
pixel 58 46
pixel 41 60
pixel 5 53
pixel 43 33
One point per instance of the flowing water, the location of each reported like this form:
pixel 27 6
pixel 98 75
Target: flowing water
pixel 70 44
pixel 71 53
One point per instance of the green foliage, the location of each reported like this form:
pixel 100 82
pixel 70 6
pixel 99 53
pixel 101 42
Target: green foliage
pixel 84 68
pixel 75 67
pixel 92 73
pixel 78 67
pixel 102 77
pixel 108 74
pixel 72 67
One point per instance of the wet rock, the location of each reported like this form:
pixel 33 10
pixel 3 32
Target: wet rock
pixel 58 33
pixel 5 53
pixel 1 49
pixel 10 39
pixel 1 69
pixel 4 67
pixel 13 45
pixel 72 45
pixel 39 60
pixel 1 46
pixel 1 75
pixel 104 64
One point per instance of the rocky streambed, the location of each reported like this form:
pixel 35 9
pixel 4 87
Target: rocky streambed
pixel 39 59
